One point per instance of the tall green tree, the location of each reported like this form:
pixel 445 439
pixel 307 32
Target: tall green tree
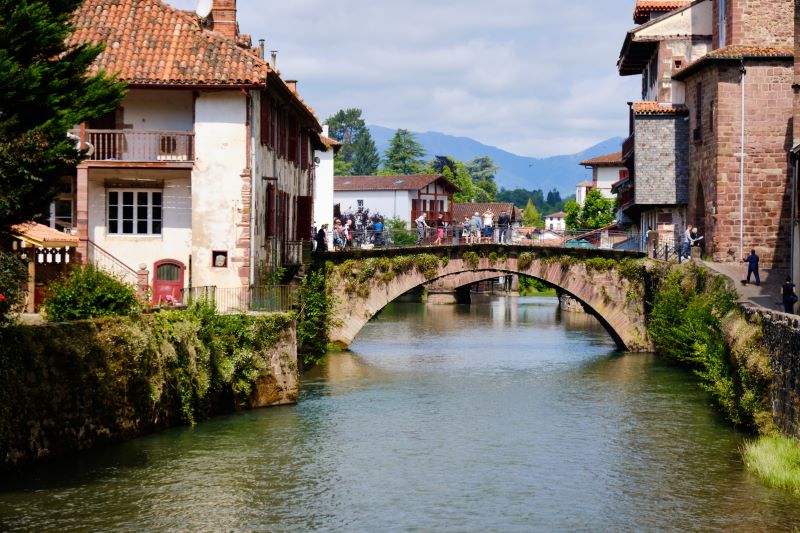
pixel 45 92
pixel 358 154
pixel 597 211
pixel 482 169
pixel 531 216
pixel 404 155
pixel 366 159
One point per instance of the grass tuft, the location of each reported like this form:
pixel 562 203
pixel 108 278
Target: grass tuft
pixel 776 461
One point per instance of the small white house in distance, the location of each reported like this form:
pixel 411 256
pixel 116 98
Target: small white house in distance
pixel 404 197
pixel 581 190
pixel 555 221
pixel 605 172
pixel 323 182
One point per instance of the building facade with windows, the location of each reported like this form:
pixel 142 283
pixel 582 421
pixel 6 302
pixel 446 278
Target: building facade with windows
pixel 605 173
pixel 204 173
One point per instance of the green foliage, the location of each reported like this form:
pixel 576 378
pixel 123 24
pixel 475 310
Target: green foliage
pixel 87 292
pixel 533 287
pixel 67 386
pixel 685 326
pixel 599 264
pixel 399 232
pixel 366 159
pixel 531 216
pixel 13 276
pixel 427 265
pixel 597 211
pixel 357 154
pixel 404 155
pixel 776 461
pixel 314 317
pixel 46 92
pixel 525 260
pixel 553 203
pixel 471 258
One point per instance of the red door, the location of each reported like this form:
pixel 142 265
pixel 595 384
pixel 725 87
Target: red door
pixel 167 281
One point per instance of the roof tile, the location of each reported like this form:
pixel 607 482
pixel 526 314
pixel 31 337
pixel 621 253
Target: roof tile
pixel 656 108
pixel 643 9
pixel 387 183
pixel 608 160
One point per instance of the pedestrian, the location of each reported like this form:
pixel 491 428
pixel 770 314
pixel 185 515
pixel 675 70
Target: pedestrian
pixel 439 230
pixel 348 233
pixel 322 239
pixel 475 228
pixel 686 252
pixel 421 227
pixel 504 223
pixel 377 228
pixel 652 240
pixel 338 235
pixel 788 295
pixel 752 268
pixel 488 224
pixel 465 230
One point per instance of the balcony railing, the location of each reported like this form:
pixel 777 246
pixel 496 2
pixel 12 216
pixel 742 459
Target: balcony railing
pixel 627 146
pixel 138 146
pixel 261 299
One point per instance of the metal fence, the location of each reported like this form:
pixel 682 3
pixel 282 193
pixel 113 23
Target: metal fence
pixel 455 235
pixel 262 299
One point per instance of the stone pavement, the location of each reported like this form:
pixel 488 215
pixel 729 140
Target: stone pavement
pixel 767 295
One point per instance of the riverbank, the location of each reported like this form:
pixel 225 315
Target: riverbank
pixel 67 387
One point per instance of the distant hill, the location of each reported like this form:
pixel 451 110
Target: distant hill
pixel 560 172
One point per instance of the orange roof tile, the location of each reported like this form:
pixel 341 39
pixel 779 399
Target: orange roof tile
pixel 608 160
pixel 388 183
pixel 643 9
pixel 736 52
pixel 149 42
pixel 44 236
pixel 655 108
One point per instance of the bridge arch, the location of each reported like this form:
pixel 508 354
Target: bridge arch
pixel 364 283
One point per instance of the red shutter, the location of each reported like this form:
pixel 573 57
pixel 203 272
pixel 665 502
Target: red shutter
pixel 304 149
pixel 303 211
pixel 270 211
pixel 293 140
pixel 265 118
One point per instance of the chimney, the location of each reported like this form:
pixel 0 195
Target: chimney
pixel 223 18
pixel 274 64
pixel 261 48
pixel 292 85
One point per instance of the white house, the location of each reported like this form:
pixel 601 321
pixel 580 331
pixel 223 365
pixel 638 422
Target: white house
pixel 323 182
pixel 555 221
pixel 203 175
pixel 404 197
pixel 605 172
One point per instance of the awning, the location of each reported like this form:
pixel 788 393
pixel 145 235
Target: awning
pixel 42 236
pixel 621 185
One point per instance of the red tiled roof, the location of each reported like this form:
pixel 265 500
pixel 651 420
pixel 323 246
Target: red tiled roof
pixel 736 52
pixel 585 184
pixel 655 108
pixel 560 214
pixel 388 183
pixel 608 160
pixel 44 236
pixel 468 209
pixel 150 42
pixel 641 13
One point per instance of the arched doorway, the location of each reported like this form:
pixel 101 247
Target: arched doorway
pixel 168 277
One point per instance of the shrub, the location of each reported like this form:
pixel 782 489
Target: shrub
pixel 776 461
pixel 525 260
pixel 13 276
pixel 472 259
pixel 399 232
pixel 314 317
pixel 87 292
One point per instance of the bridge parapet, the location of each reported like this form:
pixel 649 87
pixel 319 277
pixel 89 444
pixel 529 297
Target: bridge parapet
pixel 609 282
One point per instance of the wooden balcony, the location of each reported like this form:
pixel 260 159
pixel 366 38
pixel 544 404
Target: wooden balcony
pixel 135 146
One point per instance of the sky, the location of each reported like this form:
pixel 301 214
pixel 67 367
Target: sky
pixel 534 77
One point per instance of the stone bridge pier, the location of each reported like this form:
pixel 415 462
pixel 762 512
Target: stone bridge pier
pixel 364 281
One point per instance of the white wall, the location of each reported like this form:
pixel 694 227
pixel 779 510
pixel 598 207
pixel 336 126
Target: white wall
pixel 175 242
pixel 323 187
pixel 219 217
pixel 389 204
pixel 607 176
pixel 158 110
pixel 555 224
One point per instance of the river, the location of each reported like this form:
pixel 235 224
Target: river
pixel 505 415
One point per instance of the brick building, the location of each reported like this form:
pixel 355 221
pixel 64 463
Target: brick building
pixel 653 188
pixel 742 203
pixel 794 230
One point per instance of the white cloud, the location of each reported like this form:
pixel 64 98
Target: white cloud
pixel 534 77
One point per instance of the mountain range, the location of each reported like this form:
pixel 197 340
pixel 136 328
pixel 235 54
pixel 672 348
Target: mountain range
pixel 560 172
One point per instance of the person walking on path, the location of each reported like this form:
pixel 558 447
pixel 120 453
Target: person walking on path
pixel 439 230
pixel 465 232
pixel 788 295
pixel 686 251
pixel 421 227
pixel 504 223
pixel 475 228
pixel 651 238
pixel 752 268
pixel 322 239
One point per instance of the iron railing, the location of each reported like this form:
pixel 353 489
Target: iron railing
pixel 139 146
pixel 103 260
pixel 261 299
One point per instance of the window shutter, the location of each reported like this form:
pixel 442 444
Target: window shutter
pixel 304 149
pixel 265 118
pixel 270 211
pixel 304 210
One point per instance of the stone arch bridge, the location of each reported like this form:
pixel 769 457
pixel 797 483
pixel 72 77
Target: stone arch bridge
pixel 608 282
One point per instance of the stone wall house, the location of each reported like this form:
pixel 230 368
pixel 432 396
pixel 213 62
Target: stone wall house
pixel 653 187
pixel 742 91
pixel 204 174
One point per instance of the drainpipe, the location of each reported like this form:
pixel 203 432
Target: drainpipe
pixel 742 73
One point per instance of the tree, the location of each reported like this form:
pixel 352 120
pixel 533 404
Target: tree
pixel 404 155
pixel 597 211
pixel 554 197
pixel 462 180
pixel 46 92
pixel 482 169
pixel 358 154
pixel 366 159
pixel 531 216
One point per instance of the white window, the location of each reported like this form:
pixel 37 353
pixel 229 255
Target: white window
pixel 134 212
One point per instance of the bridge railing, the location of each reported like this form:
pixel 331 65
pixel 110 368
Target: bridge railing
pixel 456 235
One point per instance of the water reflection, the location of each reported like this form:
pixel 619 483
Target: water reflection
pixel 501 416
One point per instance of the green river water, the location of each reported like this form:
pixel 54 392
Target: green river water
pixel 505 415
